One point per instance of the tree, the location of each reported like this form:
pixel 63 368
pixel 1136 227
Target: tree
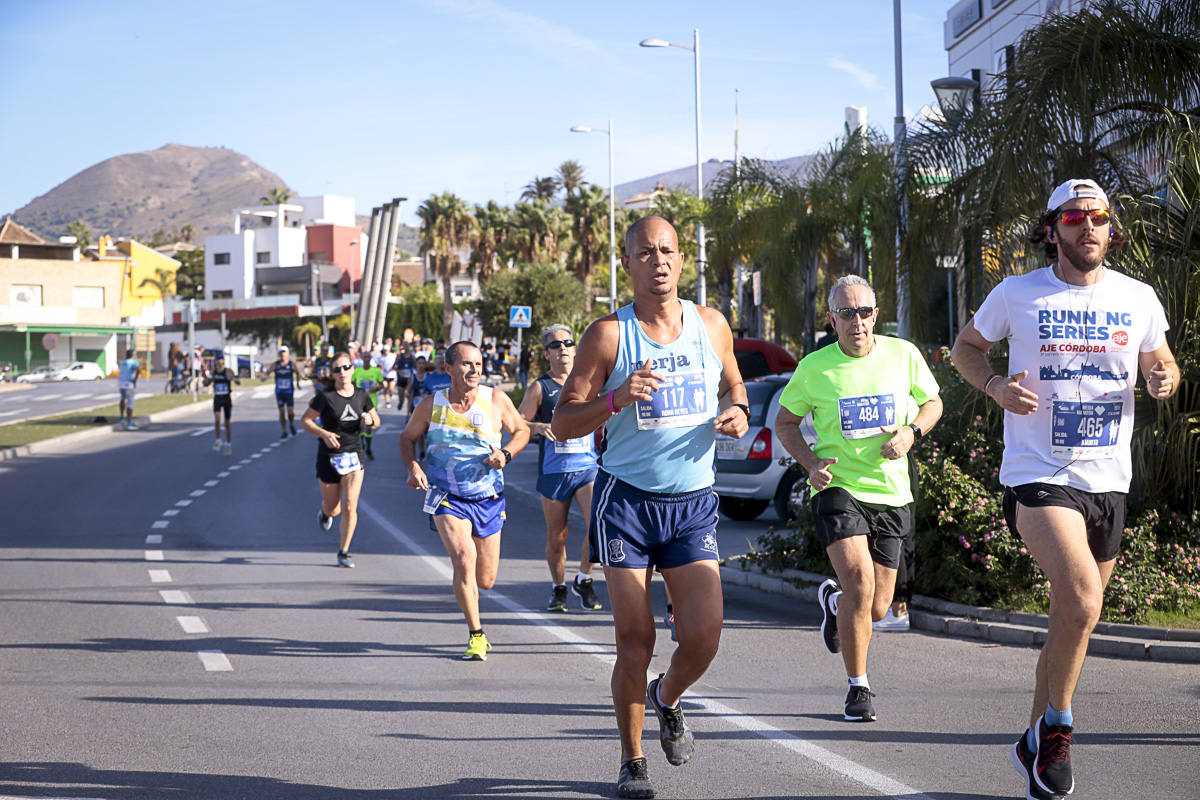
pixel 189 278
pixel 447 228
pixel 163 283
pixel 275 197
pixel 306 333
pixel 570 177
pixel 187 233
pixel 555 297
pixel 589 215
pixel 540 190
pixel 82 233
pixel 493 224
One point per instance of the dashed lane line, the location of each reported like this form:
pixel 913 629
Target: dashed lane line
pixel 176 597
pixel 215 661
pixel 170 512
pixel 154 538
pixel 193 625
pixel 211 484
pixel 160 576
pixel 154 555
pixel 197 493
pixel 160 523
pixel 223 474
pixel 200 431
pixel 184 503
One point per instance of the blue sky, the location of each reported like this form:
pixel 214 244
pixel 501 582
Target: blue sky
pixel 408 98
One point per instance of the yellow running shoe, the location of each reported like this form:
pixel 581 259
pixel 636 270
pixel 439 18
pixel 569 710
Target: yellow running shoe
pixel 477 647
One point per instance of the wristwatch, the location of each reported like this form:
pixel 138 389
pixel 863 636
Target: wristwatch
pixel 917 432
pixel 507 456
pixel 744 408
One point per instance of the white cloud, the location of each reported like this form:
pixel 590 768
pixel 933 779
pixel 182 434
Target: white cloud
pixel 866 80
pixel 518 25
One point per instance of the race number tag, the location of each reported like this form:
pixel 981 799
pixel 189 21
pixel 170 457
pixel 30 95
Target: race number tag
pixel 367 385
pixel 283 384
pixel 345 463
pixel 221 388
pixel 581 444
pixel 865 416
pixel 680 402
pixel 1084 431
pixel 433 498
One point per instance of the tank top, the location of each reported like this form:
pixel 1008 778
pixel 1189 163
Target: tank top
pixel 572 455
pixel 457 444
pixel 665 446
pixel 285 376
pixel 220 383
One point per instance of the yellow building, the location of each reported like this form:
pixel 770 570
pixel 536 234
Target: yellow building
pixel 141 306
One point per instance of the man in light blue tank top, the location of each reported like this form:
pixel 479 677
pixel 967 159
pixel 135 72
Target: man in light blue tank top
pixel 661 377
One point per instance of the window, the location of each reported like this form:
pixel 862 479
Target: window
pixel 88 297
pixel 25 294
pixel 461 291
pixel 220 258
pixel 222 294
pixel 318 257
pixel 262 257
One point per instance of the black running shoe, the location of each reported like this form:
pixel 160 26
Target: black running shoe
pixel 634 780
pixel 558 599
pixel 859 707
pixel 1023 759
pixel 283 435
pixel 829 630
pixel 673 732
pixel 294 430
pixel 370 454
pixel 1052 768
pixel 344 559
pixel 586 593
pixel 324 520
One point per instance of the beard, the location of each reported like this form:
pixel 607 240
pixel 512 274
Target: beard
pixel 1080 261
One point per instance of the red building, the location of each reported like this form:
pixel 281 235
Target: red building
pixel 338 245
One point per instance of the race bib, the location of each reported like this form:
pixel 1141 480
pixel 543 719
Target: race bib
pixel 865 416
pixel 1084 431
pixel 581 444
pixel 680 402
pixel 366 385
pixel 433 498
pixel 220 388
pixel 345 463
pixel 283 384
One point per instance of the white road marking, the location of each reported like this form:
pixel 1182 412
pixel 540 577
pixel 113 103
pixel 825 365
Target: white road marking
pixel 224 474
pixel 154 538
pixel 211 484
pixel 176 598
pixel 234 466
pixel 243 462
pixel 215 661
pixel 154 555
pixel 14 411
pixel 198 493
pixel 256 455
pixel 160 576
pixel 184 503
pixel 200 431
pixel 850 769
pixel 56 396
pixel 160 523
pixel 170 512
pixel 192 625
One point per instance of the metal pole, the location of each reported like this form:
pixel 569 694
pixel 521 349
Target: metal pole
pixel 702 251
pixel 368 271
pixel 371 298
pixel 191 353
pixel 901 196
pixel 950 304
pixel 384 288
pixel 612 225
pixel 739 273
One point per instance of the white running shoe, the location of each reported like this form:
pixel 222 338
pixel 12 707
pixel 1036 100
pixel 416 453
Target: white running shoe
pixel 891 622
pixel 228 449
pixel 216 445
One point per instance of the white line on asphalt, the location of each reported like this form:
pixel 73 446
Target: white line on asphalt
pixel 154 538
pixel 223 474
pixel 160 523
pixel 199 492
pixel 211 484
pixel 256 455
pixel 154 555
pixel 215 661
pixel 235 466
pixel 184 503
pixel 827 758
pixel 176 598
pixel 170 512
pixel 14 411
pixel 160 576
pixel 192 625
pixel 41 397
pixel 243 462
pixel 200 431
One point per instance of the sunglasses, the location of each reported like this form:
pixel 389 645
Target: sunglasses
pixel 849 313
pixel 344 368
pixel 562 343
pixel 1074 216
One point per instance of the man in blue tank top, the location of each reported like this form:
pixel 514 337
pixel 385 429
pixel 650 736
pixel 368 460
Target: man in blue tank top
pixel 566 471
pixel 660 375
pixel 287 375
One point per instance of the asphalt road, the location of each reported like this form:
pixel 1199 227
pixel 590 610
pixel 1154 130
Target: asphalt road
pixel 61 397
pixel 232 659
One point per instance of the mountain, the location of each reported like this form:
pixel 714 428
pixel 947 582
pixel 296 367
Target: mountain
pixel 140 193
pixel 686 176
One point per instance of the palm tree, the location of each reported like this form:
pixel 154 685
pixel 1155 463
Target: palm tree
pixel 163 283
pixel 275 197
pixel 540 190
pixel 308 333
pixel 589 212
pixel 570 177
pixel 447 228
pixel 187 232
pixel 82 233
pixel 493 223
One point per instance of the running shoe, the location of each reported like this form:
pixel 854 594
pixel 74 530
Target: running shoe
pixel 634 780
pixel 283 435
pixel 586 593
pixel 228 449
pixel 477 648
pixel 859 707
pixel 325 521
pixel 129 426
pixel 1052 767
pixel 294 431
pixel 370 454
pixel 217 446
pixel 558 599
pixel 1023 759
pixel 673 732
pixel 669 621
pixel 891 622
pixel 829 631
pixel 344 559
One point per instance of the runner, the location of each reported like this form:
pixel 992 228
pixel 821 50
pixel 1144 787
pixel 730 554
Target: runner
pixel 566 471
pixel 654 374
pixel 437 378
pixel 322 370
pixel 344 411
pixel 1078 333
pixel 369 379
pixel 387 365
pixel 404 374
pixel 221 379
pixel 858 393
pixel 464 484
pixel 127 378
pixel 287 379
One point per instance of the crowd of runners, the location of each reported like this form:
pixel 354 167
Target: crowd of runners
pixel 627 418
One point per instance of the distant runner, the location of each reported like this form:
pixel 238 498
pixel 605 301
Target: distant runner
pixel 369 379
pixel 287 379
pixel 127 378
pixel 222 379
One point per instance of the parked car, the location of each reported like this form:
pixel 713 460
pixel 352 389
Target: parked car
pixel 758 357
pixel 78 371
pixel 756 471
pixel 35 375
pixel 242 369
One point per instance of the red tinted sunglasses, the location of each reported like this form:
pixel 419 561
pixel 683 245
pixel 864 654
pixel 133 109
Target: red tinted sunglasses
pixel 1074 216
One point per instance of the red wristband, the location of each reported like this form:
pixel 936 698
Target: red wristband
pixel 611 408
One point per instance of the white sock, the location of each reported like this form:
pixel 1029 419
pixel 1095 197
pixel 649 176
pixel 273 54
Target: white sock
pixel 833 598
pixel 658 697
pixel 861 680
pixel 580 578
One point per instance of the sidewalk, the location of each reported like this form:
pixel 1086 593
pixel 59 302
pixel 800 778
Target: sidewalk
pixel 990 624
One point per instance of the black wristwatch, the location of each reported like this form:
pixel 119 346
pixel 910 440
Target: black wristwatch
pixel 507 456
pixel 917 432
pixel 743 407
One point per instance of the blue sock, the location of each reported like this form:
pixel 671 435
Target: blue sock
pixel 1055 717
pixel 1030 742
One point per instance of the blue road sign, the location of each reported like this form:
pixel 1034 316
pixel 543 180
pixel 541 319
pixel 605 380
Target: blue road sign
pixel 520 316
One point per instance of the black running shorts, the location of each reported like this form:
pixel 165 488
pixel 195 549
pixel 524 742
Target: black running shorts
pixel 838 515
pixel 223 402
pixel 1103 512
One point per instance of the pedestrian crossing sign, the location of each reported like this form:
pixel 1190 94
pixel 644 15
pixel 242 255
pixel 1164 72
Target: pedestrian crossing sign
pixel 520 316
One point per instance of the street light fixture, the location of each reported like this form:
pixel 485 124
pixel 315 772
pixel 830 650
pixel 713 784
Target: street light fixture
pixel 702 254
pixel 612 213
pixel 953 93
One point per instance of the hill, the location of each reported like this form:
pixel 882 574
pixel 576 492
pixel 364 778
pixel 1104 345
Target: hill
pixel 686 176
pixel 139 193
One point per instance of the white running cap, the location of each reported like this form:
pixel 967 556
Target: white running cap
pixel 1073 189
pixel 283 348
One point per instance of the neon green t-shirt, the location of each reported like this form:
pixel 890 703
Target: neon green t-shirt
pixel 850 399
pixel 369 380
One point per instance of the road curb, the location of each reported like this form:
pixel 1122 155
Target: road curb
pixel 1138 642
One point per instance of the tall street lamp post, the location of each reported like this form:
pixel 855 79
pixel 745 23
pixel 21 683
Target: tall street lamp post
pixel 900 129
pixel 702 253
pixel 612 213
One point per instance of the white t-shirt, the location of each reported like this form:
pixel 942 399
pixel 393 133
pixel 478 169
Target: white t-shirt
pixel 1080 345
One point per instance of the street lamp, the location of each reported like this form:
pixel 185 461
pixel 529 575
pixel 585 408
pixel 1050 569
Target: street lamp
pixel 612 213
pixel 953 93
pixel 702 254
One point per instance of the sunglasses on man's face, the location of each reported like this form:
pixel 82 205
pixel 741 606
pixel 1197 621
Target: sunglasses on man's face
pixel 849 313
pixel 344 368
pixel 561 343
pixel 1074 216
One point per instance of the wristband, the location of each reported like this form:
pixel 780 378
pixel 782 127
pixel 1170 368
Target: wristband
pixel 988 385
pixel 612 409
pixel 745 408
pixel 507 456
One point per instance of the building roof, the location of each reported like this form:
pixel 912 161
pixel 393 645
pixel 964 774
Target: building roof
pixel 12 233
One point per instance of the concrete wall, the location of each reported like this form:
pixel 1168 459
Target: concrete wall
pixel 59 281
pixel 980 45
pixel 327 209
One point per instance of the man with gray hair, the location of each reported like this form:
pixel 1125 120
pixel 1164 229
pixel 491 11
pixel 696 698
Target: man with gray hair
pixel 862 505
pixel 566 471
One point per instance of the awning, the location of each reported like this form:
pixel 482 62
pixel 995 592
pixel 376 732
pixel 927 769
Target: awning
pixel 82 329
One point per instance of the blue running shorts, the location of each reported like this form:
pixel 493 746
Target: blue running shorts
pixel 284 399
pixel 563 485
pixel 633 528
pixel 486 516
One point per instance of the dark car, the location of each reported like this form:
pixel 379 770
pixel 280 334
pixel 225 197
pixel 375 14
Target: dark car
pixel 758 357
